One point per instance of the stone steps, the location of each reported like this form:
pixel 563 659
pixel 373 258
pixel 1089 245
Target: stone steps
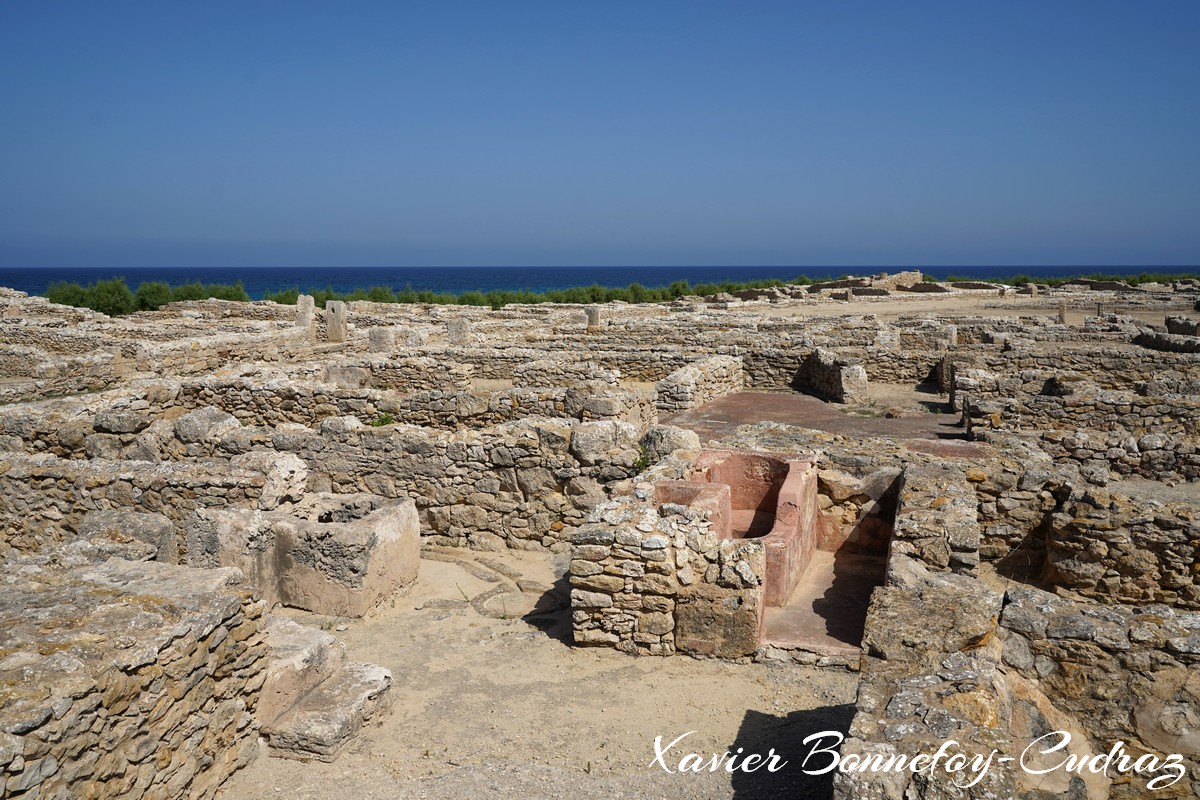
pixel 301 658
pixel 314 701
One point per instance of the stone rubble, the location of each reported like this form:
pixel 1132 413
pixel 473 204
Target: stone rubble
pixel 167 478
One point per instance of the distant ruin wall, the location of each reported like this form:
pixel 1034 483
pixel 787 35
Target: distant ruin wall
pixel 699 383
pixel 209 354
pixel 416 374
pixel 546 372
pixel 1128 433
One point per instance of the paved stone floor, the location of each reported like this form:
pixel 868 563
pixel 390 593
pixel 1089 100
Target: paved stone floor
pixel 937 434
pixel 724 414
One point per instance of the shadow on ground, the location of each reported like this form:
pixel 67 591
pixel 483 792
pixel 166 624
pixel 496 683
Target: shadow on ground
pixel 761 732
pixel 552 613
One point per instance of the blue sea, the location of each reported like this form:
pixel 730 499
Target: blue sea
pixel 258 280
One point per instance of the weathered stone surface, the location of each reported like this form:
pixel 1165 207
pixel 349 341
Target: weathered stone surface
pixel 109 664
pixel 115 420
pixel 204 424
pixel 593 442
pixel 662 440
pixel 301 658
pixel 124 525
pixel 323 722
pixel 334 554
pixel 711 623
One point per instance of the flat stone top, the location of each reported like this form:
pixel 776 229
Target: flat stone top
pixel 65 622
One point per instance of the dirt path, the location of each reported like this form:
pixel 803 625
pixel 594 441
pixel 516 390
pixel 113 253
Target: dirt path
pixel 502 707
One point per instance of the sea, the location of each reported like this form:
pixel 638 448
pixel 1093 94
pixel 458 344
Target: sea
pixel 455 280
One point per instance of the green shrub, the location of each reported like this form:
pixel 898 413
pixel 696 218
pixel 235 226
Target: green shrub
pixel 643 460
pixel 114 298
pixel 381 294
pixel 285 297
pixel 221 291
pixel 67 294
pixel 111 297
pixel 188 291
pixel 152 295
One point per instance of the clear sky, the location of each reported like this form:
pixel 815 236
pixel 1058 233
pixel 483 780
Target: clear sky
pixel 258 133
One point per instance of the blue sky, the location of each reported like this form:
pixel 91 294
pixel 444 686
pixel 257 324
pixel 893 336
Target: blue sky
pixel 527 133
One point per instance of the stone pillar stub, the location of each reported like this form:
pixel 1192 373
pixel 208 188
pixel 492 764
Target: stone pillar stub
pixel 335 320
pixel 305 306
pixel 593 317
pixel 1062 312
pixel 458 332
pixel 381 340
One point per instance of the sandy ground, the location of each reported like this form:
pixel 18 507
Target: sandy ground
pixel 488 706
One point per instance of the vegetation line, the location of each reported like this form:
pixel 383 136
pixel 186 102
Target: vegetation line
pixel 114 297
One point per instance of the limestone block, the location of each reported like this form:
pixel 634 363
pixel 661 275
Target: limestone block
pixel 458 332
pixel 286 476
pixel 381 340
pixel 204 424
pixel 340 555
pixel 713 622
pixel 336 323
pixel 115 420
pixel 595 442
pixel 662 440
pixel 301 658
pixel 305 311
pixel 323 722
pixel 346 377
pixel 125 525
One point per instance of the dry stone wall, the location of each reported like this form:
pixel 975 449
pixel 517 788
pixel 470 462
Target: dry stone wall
pixel 523 484
pixel 655 579
pixel 562 372
pixel 699 383
pixel 152 696
pixel 43 499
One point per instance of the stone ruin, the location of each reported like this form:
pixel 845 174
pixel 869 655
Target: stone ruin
pixel 1025 560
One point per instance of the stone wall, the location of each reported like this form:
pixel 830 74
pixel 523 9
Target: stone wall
pixel 458 410
pixel 930 674
pixel 52 341
pixel 149 697
pixel 1106 364
pixel 699 382
pixel 212 353
pixel 416 374
pixel 830 377
pixel 1139 666
pixel 523 484
pixel 1126 432
pixel 43 499
pixel 656 579
pixel 635 364
pixel 562 372
pixel 996 670
pixel 32 374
